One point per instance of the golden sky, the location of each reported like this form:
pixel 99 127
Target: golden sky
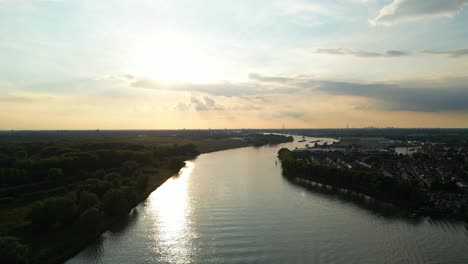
pixel 233 64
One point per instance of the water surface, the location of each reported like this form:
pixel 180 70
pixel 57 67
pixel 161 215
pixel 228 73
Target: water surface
pixel 235 207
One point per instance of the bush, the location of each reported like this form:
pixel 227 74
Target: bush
pixel 12 251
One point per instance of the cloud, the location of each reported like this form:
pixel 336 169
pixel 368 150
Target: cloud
pixel 362 53
pixel 228 89
pixel 407 10
pixel 262 78
pixel 442 95
pixel 418 96
pixel 198 104
pixel 182 107
pixel 390 53
pixel 453 53
pixel 204 104
pixel 290 114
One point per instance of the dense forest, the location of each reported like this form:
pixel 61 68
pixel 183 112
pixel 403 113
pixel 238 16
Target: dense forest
pixel 373 184
pixel 58 195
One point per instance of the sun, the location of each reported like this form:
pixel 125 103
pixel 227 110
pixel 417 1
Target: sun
pixel 174 58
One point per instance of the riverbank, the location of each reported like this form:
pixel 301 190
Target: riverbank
pixel 371 184
pixel 107 185
pixel 154 181
pixel 235 207
pixel 415 198
pixel 157 180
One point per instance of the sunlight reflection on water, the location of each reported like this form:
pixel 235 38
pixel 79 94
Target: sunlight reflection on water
pixel 171 209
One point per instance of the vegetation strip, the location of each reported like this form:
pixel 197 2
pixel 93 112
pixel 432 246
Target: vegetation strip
pixel 373 184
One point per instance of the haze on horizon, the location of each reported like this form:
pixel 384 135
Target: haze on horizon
pixel 86 64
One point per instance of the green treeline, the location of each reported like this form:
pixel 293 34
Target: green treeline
pixel 373 184
pixel 56 197
pixel 264 139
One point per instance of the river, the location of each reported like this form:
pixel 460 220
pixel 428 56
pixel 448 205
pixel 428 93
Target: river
pixel 234 206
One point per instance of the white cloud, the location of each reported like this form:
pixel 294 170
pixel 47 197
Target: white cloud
pixel 407 10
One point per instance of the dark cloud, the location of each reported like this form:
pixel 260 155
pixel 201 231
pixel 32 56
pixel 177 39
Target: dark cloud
pixel 419 95
pixel 453 53
pixel 395 53
pixel 412 96
pixel 362 53
pixel 404 10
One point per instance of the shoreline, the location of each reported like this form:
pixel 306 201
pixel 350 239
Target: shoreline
pixel 153 184
pixel 156 184
pixel 406 199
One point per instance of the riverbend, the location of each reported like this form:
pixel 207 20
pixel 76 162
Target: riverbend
pixel 234 206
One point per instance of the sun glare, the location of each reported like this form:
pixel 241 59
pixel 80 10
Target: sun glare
pixel 171 211
pixel 174 58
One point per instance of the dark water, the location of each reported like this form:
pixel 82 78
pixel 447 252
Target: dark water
pixel 235 207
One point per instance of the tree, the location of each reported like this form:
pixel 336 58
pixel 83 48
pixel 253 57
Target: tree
pixel 12 251
pixel 175 163
pixel 115 203
pixel 97 186
pixel 39 218
pixel 91 220
pixel 129 168
pixel 22 154
pixel 86 200
pixel 63 209
pixel 54 174
pixel 142 182
pixel 52 212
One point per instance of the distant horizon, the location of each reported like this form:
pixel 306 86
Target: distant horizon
pixel 295 128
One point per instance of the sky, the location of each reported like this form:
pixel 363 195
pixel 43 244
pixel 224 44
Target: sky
pixel 141 64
